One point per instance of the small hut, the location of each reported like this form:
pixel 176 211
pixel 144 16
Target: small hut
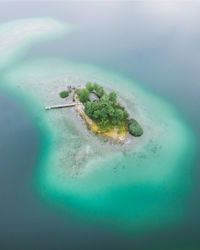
pixel 93 97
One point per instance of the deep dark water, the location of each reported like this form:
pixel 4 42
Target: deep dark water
pixel 29 223
pixel 157 46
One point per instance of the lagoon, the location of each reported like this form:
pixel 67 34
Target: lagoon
pixel 146 187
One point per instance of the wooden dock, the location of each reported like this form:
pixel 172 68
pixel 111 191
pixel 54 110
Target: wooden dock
pixel 61 106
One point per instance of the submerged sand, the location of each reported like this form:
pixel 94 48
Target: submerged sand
pixel 140 185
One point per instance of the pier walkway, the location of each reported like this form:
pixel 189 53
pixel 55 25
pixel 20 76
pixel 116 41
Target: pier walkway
pixel 61 106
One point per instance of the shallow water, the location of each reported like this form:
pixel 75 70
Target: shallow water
pixel 149 186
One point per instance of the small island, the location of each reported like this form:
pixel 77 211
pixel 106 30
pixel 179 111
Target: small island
pixel 101 111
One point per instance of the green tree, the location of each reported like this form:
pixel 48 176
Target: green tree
pixel 89 108
pixel 112 97
pixel 97 114
pixel 100 91
pixel 119 114
pixel 83 95
pixel 89 86
pixel 96 86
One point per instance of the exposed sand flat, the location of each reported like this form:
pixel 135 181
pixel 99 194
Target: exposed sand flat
pixel 17 36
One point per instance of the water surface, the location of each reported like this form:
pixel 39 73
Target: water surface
pixel 139 53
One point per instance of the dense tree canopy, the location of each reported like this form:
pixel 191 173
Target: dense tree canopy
pixel 105 110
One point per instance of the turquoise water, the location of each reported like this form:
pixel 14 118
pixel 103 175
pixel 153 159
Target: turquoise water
pixel 141 186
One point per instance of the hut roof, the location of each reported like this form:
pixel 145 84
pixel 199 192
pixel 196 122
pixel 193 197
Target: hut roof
pixel 93 97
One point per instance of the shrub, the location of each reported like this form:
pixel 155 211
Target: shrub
pixel 64 94
pixel 134 128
